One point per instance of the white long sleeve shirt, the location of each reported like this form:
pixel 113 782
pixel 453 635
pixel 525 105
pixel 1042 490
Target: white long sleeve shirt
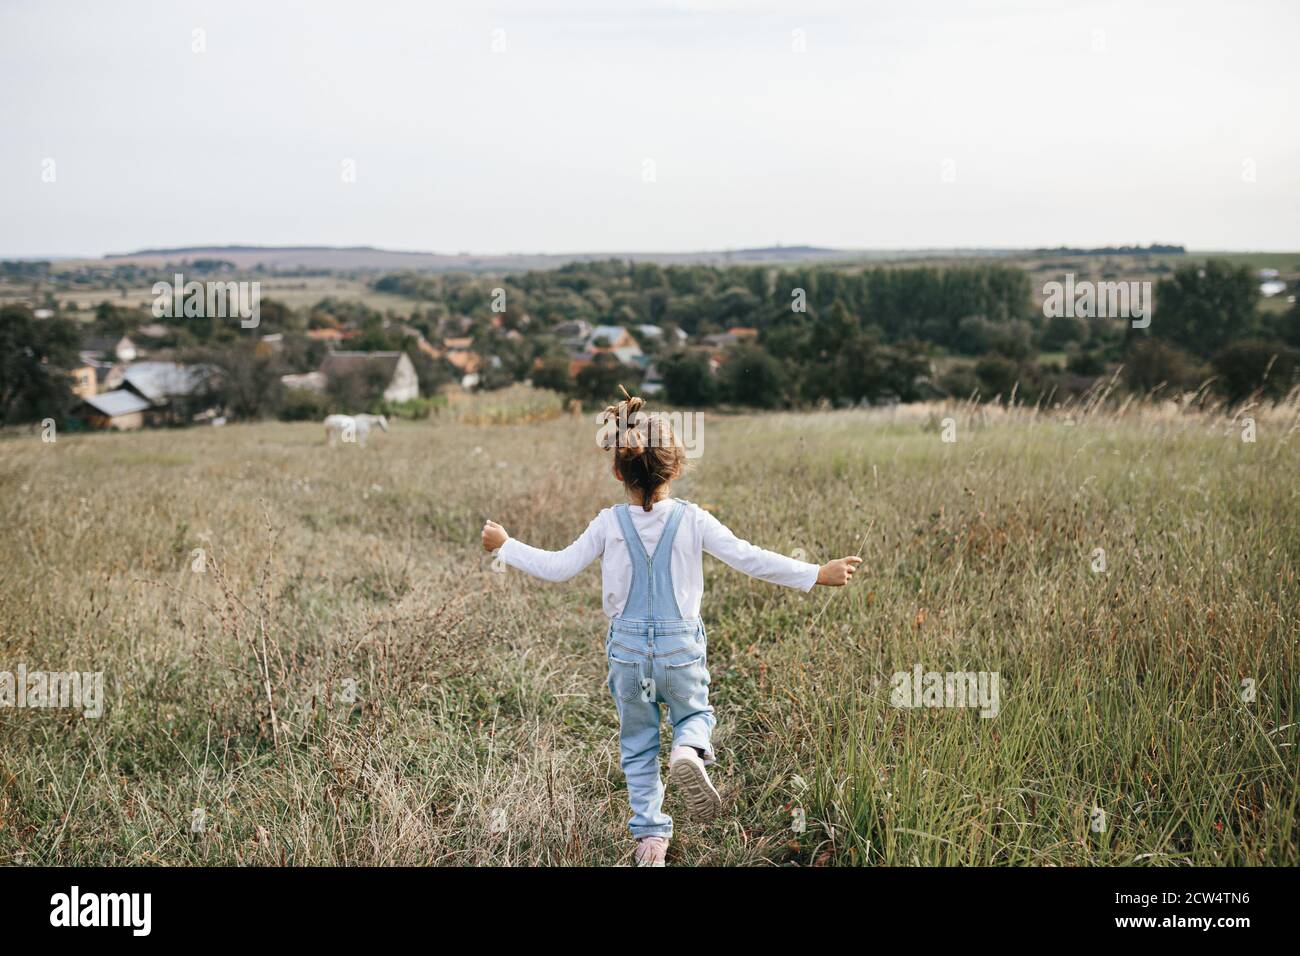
pixel 697 533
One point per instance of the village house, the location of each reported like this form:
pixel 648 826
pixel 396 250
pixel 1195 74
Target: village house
pixel 119 410
pixel 332 336
pixel 464 359
pixel 154 330
pixel 657 333
pixel 85 383
pixel 616 339
pixel 395 369
pixel 733 336
pixel 270 344
pixel 108 375
pixel 653 383
pixel 175 392
pixel 573 334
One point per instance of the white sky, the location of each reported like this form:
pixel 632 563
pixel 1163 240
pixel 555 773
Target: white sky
pixel 541 148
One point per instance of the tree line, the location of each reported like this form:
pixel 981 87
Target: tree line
pixel 823 334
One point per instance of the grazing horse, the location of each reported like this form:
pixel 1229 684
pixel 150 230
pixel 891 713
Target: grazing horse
pixel 352 428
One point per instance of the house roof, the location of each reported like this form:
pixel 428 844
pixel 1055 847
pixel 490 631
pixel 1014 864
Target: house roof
pixel 117 402
pixel 611 332
pixel 159 381
pixel 105 343
pixel 573 328
pixel 337 363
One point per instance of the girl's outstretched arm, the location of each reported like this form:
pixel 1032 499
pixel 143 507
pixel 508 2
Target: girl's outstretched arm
pixel 768 565
pixel 547 565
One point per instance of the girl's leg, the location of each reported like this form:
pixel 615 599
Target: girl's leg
pixel 638 739
pixel 686 690
pixel 687 685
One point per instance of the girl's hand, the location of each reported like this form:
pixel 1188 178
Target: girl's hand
pixel 493 536
pixel 834 574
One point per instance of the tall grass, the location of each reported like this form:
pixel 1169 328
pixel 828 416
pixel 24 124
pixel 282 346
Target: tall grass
pixel 346 680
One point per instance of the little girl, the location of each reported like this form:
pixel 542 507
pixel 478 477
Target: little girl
pixel 650 549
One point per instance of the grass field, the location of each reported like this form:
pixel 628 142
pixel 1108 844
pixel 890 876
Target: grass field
pixel 308 646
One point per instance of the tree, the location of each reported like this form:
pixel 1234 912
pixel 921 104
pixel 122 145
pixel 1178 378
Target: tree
pixel 751 376
pixel 553 372
pixel 35 357
pixel 688 379
pixel 1203 308
pixel 601 379
pixel 244 384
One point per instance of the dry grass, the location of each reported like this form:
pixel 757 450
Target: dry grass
pixel 481 730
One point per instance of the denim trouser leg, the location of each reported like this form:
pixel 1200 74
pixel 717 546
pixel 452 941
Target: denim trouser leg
pixel 638 739
pixel 693 723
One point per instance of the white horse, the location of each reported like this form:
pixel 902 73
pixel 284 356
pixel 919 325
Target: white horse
pixel 352 428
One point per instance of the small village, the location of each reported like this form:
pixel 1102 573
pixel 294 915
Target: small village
pixel 124 383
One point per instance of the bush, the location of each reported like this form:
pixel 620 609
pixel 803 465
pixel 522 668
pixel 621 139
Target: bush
pixel 1254 364
pixel 1089 363
pixel 960 381
pixel 303 405
pixel 997 374
pixel 1151 362
pixel 415 409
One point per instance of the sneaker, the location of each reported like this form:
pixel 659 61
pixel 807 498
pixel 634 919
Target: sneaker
pixel 686 772
pixel 651 851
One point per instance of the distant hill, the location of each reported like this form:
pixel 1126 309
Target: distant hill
pixel 367 258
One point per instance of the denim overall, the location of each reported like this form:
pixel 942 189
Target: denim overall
pixel 655 656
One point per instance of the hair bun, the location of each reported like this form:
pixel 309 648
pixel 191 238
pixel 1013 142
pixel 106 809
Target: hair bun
pixel 627 439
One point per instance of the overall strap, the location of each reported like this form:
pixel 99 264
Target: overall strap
pixel 670 530
pixel 637 605
pixel 663 602
pixel 630 535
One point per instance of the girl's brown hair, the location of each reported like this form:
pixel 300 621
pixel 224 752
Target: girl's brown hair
pixel 647 454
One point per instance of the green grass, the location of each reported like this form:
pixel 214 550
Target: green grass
pixel 480 697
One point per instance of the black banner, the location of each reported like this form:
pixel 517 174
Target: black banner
pixel 336 905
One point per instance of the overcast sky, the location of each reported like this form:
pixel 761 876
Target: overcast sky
pixel 647 125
